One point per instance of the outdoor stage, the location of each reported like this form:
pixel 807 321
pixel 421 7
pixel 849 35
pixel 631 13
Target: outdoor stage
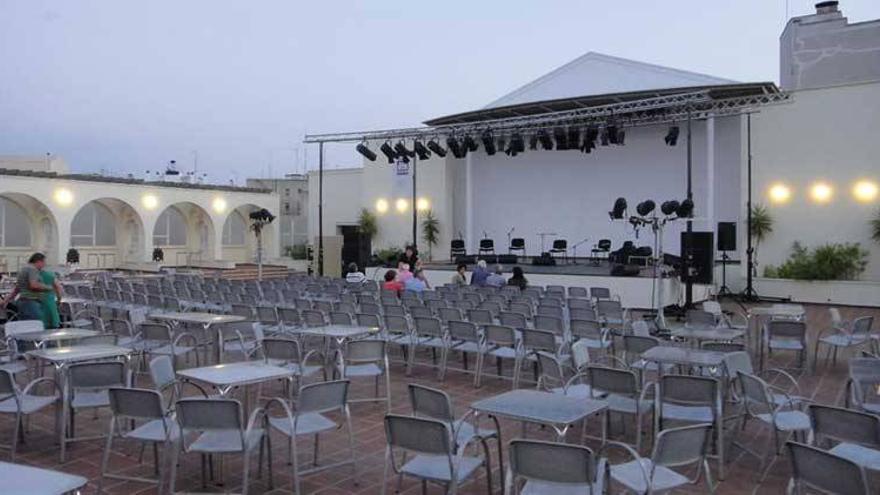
pixel 635 292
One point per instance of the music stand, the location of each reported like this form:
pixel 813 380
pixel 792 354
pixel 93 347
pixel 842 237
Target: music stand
pixel 543 235
pixel 574 249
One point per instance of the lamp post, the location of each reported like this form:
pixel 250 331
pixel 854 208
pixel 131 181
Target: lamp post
pixel 260 219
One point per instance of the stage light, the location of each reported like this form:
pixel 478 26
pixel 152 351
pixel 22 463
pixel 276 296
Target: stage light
pixel 619 210
pixel 381 206
pixel 436 148
pixel 262 216
pixel 779 193
pixel 455 147
pixel 470 144
pixel 367 152
pixel 821 192
pixel 150 201
pixel 612 134
pixel 669 207
pixel 401 205
pixel 422 204
pixel 218 205
pixel 645 207
pixel 545 140
pixel 488 143
pixel 561 138
pixel 402 151
pixel 865 191
pixel 421 151
pixel 672 136
pixel 388 151
pixel 685 209
pixel 517 145
pixel 63 197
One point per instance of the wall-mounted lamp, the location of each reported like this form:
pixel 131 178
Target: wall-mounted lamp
pixel 219 205
pixel 381 205
pixel 865 191
pixel 401 205
pixel 150 201
pixel 63 196
pixel 779 193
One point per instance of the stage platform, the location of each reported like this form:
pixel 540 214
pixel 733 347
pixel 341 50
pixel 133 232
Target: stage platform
pixel 635 292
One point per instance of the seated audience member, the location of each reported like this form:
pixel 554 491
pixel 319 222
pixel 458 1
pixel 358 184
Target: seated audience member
pixel 496 279
pixel 478 277
pixel 391 282
pixel 410 257
pixel 417 283
pixel 518 279
pixel 354 276
pixel 458 278
pixel 403 272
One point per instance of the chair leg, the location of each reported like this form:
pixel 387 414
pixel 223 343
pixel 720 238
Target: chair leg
pixel 15 434
pixel 246 474
pixel 317 447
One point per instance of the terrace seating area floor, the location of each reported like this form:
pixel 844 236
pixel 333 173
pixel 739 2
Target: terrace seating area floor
pixel 40 449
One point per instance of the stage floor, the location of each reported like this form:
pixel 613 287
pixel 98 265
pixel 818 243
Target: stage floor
pixel 585 267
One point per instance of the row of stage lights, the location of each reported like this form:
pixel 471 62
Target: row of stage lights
pixel 583 139
pixel 401 205
pixel 864 191
pixel 681 209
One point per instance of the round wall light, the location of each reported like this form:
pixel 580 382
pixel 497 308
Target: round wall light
pixel 821 192
pixel 219 205
pixel 423 204
pixel 150 201
pixel 381 205
pixel 865 191
pixel 779 193
pixel 63 196
pixel 401 205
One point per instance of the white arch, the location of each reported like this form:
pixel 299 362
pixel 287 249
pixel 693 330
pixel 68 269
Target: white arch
pixel 41 230
pixel 200 234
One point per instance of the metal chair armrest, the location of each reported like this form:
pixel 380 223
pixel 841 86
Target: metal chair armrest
pixel 37 381
pixel 632 453
pixel 787 376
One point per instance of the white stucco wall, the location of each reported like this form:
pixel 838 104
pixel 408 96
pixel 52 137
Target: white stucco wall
pixel 826 134
pixel 342 199
pixel 37 195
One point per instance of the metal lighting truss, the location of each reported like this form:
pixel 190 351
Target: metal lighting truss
pixel 643 112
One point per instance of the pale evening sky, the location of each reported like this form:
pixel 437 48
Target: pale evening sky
pixel 126 86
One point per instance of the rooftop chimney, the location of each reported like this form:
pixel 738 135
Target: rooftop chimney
pixel 829 7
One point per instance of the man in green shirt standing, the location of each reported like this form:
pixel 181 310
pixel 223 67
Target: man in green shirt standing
pixel 30 289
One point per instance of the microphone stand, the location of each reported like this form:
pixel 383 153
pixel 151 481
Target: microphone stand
pixel 508 238
pixel 574 249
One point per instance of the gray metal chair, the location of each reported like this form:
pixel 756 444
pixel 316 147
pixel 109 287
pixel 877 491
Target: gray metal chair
pixel 428 332
pixel 501 343
pixel 625 394
pixel 592 333
pixel 87 387
pixel 22 403
pixel 787 335
pixel 165 379
pixel 366 358
pixel 156 427
pixel 547 468
pixel 340 318
pixel 822 471
pixel 308 418
pixel 849 434
pixel 512 319
pixel 159 340
pixel 242 337
pixel 436 459
pixel 692 399
pixel 840 337
pixel 682 447
pixel 634 346
pixel 465 337
pixel 783 418
pixel 532 342
pixel 216 427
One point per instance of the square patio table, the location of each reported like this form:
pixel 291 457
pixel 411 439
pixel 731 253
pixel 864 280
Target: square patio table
pixel 40 339
pixel 19 479
pixel 533 406
pixel 699 333
pixel 206 320
pixel 338 333
pixel 224 377
pixel 667 354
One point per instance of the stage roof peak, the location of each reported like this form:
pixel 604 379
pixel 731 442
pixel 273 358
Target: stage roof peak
pixel 596 74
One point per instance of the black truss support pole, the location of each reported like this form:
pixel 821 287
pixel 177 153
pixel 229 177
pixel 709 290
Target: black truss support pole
pixel 321 209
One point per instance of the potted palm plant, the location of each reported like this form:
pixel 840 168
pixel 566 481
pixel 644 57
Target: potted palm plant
pixel 875 227
pixel 762 225
pixel 430 231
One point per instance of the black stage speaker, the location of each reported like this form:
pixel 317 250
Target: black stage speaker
pixel 727 236
pixel 699 250
pixel 467 259
pixel 507 259
pixel 544 260
pixel 620 270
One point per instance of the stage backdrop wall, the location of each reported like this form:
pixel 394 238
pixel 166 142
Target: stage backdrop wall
pixel 570 193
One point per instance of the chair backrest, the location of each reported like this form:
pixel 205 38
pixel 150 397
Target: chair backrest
pixel 609 308
pixel 158 332
pixel 538 340
pixel 640 328
pixel 368 320
pixel 119 327
pixel 820 470
pixel 600 293
pixel 340 318
pixel 604 244
pixel 390 310
pixel 457 244
pixel 862 325
pixel 552 462
pixel 580 355
pixel 267 314
pixel 447 314
pixel 681 446
pixel 364 351
pixel 313 318
pixel 560 244
pixel 202 414
pixel 517 243
pixel 690 391
pixel 787 329
pixel 428 326
pixel 419 435
pixel 420 312
pixel 23 326
pixel 323 397
pixel 521 307
pixel 635 345
pixel 136 403
pixel 97 375
pixel 613 380
pixel 755 393
pixel 480 316
pixel 463 330
pixel 431 403
pixel 550 310
pixel 289 316
pixel 100 339
pixel 487 244
pixel 8 387
pixel 585 329
pixel 162 372
pixel 582 314
pixel 738 362
pixel 578 303
pixel 243 310
pixel 549 323
pixel 550 369
pixel 844 425
pixel 516 320
pixel 396 324
pixel 500 335
pixel 580 292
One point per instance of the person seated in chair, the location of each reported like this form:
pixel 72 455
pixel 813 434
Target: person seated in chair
pixel 518 279
pixel 417 283
pixel 391 283
pixel 354 276
pixel 496 279
pixel 458 278
pixel 479 275
pixel 410 257
pixel 403 273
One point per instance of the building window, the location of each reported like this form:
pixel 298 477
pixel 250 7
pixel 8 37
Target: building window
pixel 234 230
pixel 170 229
pixel 94 225
pixel 287 191
pixel 15 228
pixel 287 208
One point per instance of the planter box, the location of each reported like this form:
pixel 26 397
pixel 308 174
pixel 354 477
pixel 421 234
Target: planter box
pixel 843 292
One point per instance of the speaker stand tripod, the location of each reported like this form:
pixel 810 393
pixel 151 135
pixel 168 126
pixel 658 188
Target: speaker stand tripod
pixel 724 290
